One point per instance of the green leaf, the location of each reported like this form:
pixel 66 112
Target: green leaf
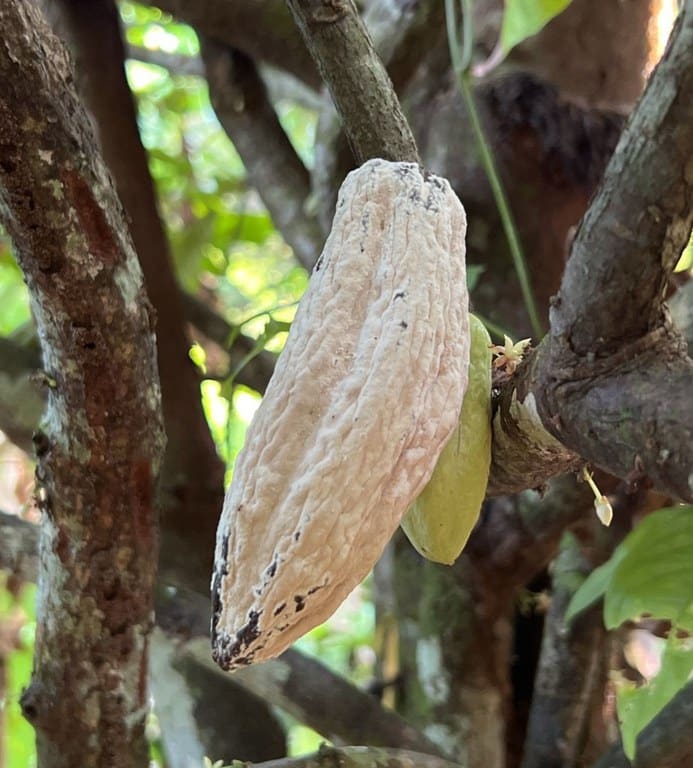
pixel 524 18
pixel 593 587
pixel 654 575
pixel 474 272
pixel 638 706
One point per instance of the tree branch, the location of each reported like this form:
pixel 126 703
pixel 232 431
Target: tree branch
pixel 302 686
pixel 517 537
pixel 326 702
pixel 99 458
pixel 244 110
pixel 202 713
pixel 280 84
pixel 611 380
pixel 192 474
pixel 571 675
pixel 362 91
pixel 360 757
pixel 262 29
pixel 18 547
pixel 174 63
pixel 681 307
pixel 634 231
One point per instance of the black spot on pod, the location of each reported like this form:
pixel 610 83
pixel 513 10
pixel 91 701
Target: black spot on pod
pixel 272 568
pixel 219 574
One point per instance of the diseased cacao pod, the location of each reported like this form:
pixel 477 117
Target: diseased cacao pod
pixel 441 519
pixel 364 396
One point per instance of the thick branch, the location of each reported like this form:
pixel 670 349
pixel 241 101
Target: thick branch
pixel 100 455
pixel 639 222
pixel 362 91
pixel 192 472
pixel 244 110
pixel 633 417
pixel 611 381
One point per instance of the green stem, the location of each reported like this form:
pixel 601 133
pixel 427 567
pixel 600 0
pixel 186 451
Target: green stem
pixel 461 61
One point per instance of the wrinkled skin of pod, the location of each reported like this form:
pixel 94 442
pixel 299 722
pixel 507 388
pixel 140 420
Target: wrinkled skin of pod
pixel 440 521
pixel 365 395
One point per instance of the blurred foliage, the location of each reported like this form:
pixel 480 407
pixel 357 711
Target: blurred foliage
pixel 524 18
pixel 685 262
pixel 14 297
pixel 17 628
pixel 649 575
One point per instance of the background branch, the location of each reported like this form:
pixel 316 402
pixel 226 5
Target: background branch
pixel 244 110
pixel 21 400
pixel 361 757
pixel 300 685
pixel 571 676
pixel 262 29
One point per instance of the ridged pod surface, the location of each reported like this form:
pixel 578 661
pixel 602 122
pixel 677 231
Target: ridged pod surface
pixel 365 395
pixel 442 517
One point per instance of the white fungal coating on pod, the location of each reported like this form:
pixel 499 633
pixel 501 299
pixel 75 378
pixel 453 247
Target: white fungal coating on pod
pixel 365 395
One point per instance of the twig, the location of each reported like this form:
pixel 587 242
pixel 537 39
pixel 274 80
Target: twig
pixel 244 110
pixel 362 91
pixel 256 373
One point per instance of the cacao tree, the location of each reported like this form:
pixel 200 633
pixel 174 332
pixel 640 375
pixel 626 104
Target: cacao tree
pixel 168 178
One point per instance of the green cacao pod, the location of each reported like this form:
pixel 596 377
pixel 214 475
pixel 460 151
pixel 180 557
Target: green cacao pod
pixel 439 522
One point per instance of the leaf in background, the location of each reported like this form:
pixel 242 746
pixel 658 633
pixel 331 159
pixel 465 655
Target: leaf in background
pixel 14 296
pixel 638 706
pixel 655 574
pixel 685 262
pixel 18 735
pixel 524 18
pixel 593 587
pixel 474 272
